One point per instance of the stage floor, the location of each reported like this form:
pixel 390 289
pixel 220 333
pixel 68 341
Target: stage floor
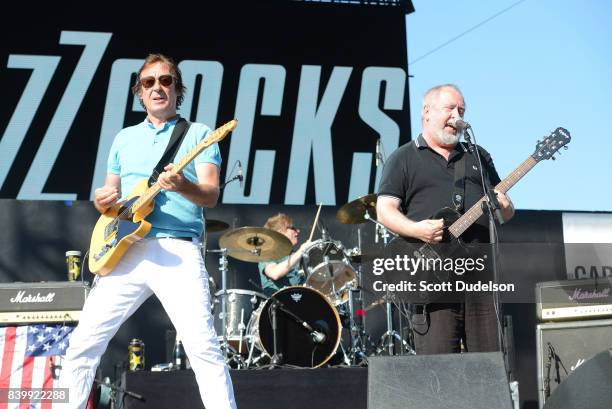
pixel 333 388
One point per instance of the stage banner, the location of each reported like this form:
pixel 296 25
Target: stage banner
pixel 314 86
pixel 588 245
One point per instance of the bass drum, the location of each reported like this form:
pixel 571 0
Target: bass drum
pixel 295 342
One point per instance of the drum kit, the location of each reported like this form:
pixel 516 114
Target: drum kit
pixel 300 326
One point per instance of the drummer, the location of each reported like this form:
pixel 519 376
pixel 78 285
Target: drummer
pixel 285 271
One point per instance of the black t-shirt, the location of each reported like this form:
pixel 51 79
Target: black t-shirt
pixel 424 182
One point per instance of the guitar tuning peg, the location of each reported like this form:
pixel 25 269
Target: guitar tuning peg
pixel 553 158
pixel 566 147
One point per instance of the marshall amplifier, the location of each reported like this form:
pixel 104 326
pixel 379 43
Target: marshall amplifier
pixel 562 347
pixel 574 299
pixel 23 303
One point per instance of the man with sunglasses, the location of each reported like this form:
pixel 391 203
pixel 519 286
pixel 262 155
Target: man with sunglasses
pixel 167 262
pixel 284 272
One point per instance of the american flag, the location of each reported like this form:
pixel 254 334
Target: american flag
pixel 30 354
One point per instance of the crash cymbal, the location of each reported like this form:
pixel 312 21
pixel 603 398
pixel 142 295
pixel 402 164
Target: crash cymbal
pixel 214 226
pixel 255 244
pixel 354 212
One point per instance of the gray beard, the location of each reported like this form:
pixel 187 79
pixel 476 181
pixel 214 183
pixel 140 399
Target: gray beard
pixel 446 138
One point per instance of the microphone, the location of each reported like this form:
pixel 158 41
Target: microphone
pixel 378 152
pixel 461 125
pixel 239 175
pixel 318 337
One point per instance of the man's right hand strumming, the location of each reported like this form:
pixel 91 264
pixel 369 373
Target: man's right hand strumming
pixel 105 197
pixel 429 230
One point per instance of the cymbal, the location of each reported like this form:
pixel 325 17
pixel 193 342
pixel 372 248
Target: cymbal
pixel 354 212
pixel 382 300
pixel 214 226
pixel 255 244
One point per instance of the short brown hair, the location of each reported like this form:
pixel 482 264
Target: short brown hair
pixel 174 70
pixel 279 222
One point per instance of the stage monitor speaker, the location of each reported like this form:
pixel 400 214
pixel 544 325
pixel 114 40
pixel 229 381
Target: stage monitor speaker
pixel 588 386
pixel 563 347
pixel 457 381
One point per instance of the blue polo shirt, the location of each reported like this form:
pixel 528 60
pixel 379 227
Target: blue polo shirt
pixel 133 156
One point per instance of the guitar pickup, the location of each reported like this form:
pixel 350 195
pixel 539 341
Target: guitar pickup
pixel 104 250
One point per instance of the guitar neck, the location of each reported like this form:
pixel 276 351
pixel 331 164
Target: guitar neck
pixel 469 217
pixel 215 136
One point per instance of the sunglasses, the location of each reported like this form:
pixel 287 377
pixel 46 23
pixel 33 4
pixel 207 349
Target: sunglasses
pixel 295 229
pixel 165 80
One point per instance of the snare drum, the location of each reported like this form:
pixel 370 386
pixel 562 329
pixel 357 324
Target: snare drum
pixel 240 305
pixel 329 270
pixel 296 342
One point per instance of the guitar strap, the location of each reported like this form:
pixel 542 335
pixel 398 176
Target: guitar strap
pixel 459 189
pixel 459 184
pixel 180 129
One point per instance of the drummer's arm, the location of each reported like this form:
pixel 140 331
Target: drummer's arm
pixel 277 271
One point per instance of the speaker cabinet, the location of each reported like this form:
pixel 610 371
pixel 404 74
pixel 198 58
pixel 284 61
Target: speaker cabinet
pixel 564 347
pixel 588 386
pixel 458 381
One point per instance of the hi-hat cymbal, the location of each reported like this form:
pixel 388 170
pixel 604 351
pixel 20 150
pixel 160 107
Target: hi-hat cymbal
pixel 354 212
pixel 255 244
pixel 214 226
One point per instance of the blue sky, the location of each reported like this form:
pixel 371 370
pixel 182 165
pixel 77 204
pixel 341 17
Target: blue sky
pixel 536 66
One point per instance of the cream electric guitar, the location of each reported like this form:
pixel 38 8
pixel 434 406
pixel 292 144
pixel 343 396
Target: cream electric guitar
pixel 124 223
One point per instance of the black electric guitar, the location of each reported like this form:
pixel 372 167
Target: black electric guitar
pixel 456 224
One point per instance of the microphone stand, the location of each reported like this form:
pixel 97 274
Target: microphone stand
pixel 281 306
pixel 277 357
pixel 118 390
pixel 238 176
pixel 492 209
pixel 227 182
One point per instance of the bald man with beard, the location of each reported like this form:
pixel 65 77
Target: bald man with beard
pixel 418 180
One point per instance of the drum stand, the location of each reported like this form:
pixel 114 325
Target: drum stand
pixel 250 360
pixel 358 337
pixel 228 352
pixel 386 345
pixel 357 351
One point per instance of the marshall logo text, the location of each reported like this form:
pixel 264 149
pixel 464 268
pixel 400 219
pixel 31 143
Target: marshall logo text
pixel 22 298
pixel 580 294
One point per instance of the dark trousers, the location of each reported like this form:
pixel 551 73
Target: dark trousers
pixel 440 328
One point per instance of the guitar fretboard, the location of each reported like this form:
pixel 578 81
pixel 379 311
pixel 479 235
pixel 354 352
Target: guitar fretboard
pixel 215 136
pixel 469 217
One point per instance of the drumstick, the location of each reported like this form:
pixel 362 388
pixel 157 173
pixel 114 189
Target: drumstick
pixel 315 222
